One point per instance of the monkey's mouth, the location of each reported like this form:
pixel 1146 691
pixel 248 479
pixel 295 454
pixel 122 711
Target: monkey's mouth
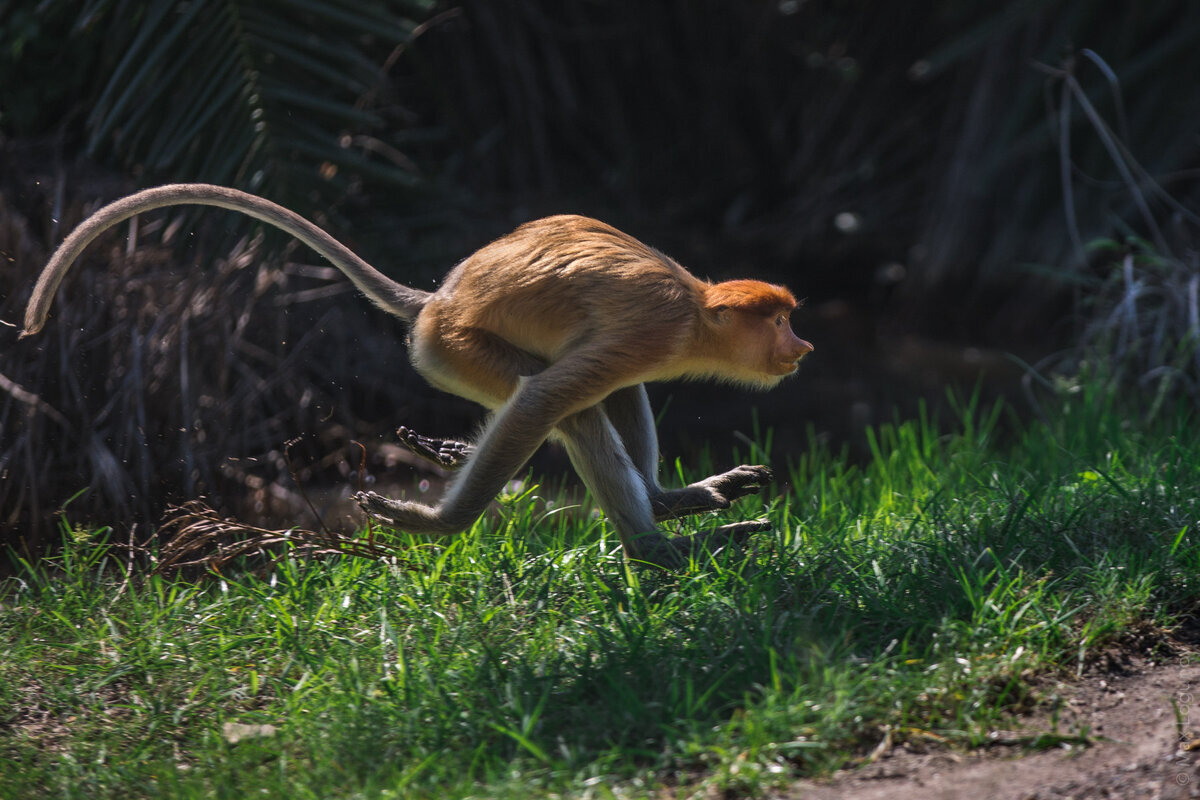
pixel 790 365
pixel 795 362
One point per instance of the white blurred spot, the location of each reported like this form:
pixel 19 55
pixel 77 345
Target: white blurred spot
pixel 847 222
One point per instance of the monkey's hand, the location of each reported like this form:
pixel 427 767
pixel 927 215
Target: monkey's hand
pixel 676 552
pixel 448 454
pixel 711 494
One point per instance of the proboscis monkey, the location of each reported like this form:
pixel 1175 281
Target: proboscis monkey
pixel 554 328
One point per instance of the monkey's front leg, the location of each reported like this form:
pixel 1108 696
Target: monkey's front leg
pixel 602 460
pixel 711 494
pixel 629 411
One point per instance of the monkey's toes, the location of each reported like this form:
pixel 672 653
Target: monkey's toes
pixel 364 500
pixel 376 505
pixel 446 453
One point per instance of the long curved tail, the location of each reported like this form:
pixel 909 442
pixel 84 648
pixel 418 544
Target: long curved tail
pixel 396 298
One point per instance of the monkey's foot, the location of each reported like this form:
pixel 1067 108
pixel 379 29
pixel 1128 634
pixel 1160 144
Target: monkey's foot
pixel 676 552
pixel 410 517
pixel 378 507
pixel 711 494
pixel 448 454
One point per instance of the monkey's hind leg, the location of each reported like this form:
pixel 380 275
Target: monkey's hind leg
pixel 449 454
pixel 514 433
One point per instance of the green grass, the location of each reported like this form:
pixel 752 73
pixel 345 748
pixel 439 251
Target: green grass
pixel 913 594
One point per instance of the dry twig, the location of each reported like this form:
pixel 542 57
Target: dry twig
pixel 196 536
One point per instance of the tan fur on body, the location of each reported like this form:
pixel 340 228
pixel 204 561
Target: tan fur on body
pixel 554 327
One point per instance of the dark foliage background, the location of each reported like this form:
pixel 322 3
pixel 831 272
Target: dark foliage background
pixel 902 165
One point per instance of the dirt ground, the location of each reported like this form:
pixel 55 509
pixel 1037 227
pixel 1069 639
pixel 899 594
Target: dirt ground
pixel 1143 716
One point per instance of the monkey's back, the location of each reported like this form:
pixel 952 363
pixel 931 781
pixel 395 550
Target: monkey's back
pixel 556 283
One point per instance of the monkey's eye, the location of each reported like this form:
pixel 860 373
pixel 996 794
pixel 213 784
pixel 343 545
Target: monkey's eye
pixel 780 321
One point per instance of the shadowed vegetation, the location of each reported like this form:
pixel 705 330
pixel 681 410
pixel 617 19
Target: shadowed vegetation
pixel 913 598
pixel 948 182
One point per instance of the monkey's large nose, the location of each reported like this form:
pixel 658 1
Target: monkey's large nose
pixel 803 348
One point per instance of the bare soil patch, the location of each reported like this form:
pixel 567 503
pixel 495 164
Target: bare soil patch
pixel 1141 711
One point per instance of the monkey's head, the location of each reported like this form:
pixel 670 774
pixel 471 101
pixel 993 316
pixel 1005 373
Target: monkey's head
pixel 752 321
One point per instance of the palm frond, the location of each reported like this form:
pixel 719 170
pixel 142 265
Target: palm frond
pixel 256 94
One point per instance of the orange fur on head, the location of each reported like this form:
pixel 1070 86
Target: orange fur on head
pixel 752 297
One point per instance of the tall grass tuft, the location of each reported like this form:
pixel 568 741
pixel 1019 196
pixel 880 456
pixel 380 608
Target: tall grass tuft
pixel 1137 294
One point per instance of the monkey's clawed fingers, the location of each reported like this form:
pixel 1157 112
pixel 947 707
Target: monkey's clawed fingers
pixel 739 481
pixel 448 454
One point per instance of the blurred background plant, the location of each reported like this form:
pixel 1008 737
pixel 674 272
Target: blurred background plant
pixel 279 96
pixel 1136 296
pixel 926 175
